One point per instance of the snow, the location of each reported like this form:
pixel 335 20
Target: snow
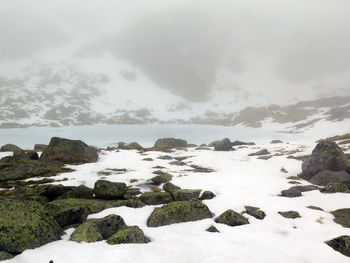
pixel 238 180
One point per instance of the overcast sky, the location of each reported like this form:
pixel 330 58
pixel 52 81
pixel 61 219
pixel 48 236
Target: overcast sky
pixel 181 44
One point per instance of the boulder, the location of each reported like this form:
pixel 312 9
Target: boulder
pixel 156 198
pixel 11 148
pixel 131 146
pixel 342 217
pixel 52 191
pixel 177 212
pixel 326 176
pixel 341 244
pixel 337 188
pixel 81 191
pixel 162 178
pixel 69 151
pixel 296 191
pixel 231 218
pixel 207 195
pixel 104 189
pixel 132 234
pixel 255 212
pixel 25 224
pixel 212 144
pixel 170 187
pixel 212 229
pixel 224 145
pixel 239 143
pixel 186 194
pixel 276 141
pixel 5 255
pixel 40 147
pixel 94 230
pixel 290 214
pixel 168 143
pixel 326 156
pixel 259 153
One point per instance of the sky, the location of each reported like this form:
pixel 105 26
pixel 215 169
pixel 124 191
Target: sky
pixel 189 46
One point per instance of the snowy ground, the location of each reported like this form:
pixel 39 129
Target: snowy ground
pixel 238 180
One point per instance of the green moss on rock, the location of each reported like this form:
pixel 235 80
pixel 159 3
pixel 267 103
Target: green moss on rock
pixel 186 194
pixel 132 234
pixel 255 212
pixel 290 214
pixel 231 218
pixel 156 198
pixel 341 244
pixel 104 189
pixel 342 217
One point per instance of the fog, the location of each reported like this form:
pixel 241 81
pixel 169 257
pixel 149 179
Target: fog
pixel 183 46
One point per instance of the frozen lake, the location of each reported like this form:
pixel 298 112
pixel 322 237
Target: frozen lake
pixel 146 135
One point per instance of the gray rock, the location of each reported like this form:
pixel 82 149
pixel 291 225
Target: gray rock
pixel 259 153
pixel 341 244
pixel 207 195
pixel 290 214
pixel 186 194
pixel 104 189
pixel 326 176
pixel 168 143
pixel 156 198
pixel 224 145
pixel 231 218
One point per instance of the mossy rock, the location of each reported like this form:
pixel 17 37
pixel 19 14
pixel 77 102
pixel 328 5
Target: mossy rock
pixel 69 151
pixel 11 148
pixel 52 191
pixel 290 214
pixel 170 187
pixel 231 218
pixel 337 188
pixel 207 195
pixel 177 212
pixel 342 217
pixel 162 178
pixel 186 194
pixel 132 234
pixel 168 143
pixel 109 190
pixel 78 192
pixel 255 212
pixel 5 255
pixel 94 230
pixel 341 244
pixel 156 198
pixel 25 224
pixel 212 229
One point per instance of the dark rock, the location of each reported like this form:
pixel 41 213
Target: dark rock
pixel 130 146
pixel 342 217
pixel 186 194
pixel 192 145
pixel 109 190
pixel 69 151
pixel 5 255
pixel 239 143
pixel 178 163
pixel 212 229
pixel 207 195
pixel 276 141
pixel 315 208
pixel 177 212
pixel 224 145
pixel 168 143
pixel 40 147
pixel 148 159
pixel 294 182
pixel 290 214
pixel 326 176
pixel 293 178
pixel 165 157
pixel 337 188
pixel 94 230
pixel 25 225
pixel 255 212
pixel 259 153
pixel 161 179
pixel 231 218
pixel 341 244
pixel 212 144
pixel 265 157
pixel 158 172
pixel 81 191
pixel 291 192
pixel 326 156
pixel 11 148
pixel 52 191
pixel 132 234
pixel 169 187
pixel 156 198
pixel 199 169
pixel 283 170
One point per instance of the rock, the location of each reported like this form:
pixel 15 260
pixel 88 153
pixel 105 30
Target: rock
pixel 177 212
pixel 165 157
pixel 168 143
pixel 169 187
pixel 232 218
pixel 341 244
pixel 212 144
pixel 336 188
pixel 40 147
pixel 5 255
pixel 11 148
pixel 104 189
pixel 276 141
pixel 25 224
pixel 290 214
pixel 342 216
pixel 161 179
pixel 52 191
pixel 315 208
pixel 255 212
pixel 291 192
pixel 186 195
pixel 94 230
pixel 130 146
pixel 326 156
pixel 69 151
pixel 207 195
pixel 265 157
pixel 178 163
pixel 239 143
pixel 132 234
pixel 259 153
pixel 283 170
pixel 212 229
pixel 147 159
pixel 156 198
pixel 224 145
pixel 326 176
pixel 81 191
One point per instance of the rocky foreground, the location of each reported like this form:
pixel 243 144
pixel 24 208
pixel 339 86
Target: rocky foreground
pixel 69 183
